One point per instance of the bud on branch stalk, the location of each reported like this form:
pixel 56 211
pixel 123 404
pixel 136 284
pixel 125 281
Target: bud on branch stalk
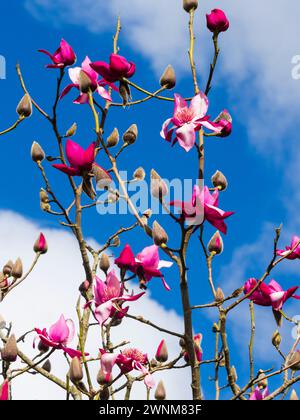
pixel 168 79
pixel 37 153
pixel 190 5
pixel 40 245
pixel 24 108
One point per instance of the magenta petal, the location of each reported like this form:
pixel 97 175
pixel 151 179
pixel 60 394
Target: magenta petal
pixel 59 332
pixel 104 70
pixel 67 89
pixel 131 71
pixel 108 361
pixel 4 391
pixel 89 156
pixel 72 352
pixel 119 64
pixel 186 136
pixel 102 312
pixel 66 169
pixel 75 154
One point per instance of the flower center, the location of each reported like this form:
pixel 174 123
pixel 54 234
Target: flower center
pixel 135 354
pixel 185 115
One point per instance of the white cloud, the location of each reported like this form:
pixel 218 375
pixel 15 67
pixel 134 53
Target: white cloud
pixel 52 290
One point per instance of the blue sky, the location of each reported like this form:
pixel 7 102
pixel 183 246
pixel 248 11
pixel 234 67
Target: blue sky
pixel 260 159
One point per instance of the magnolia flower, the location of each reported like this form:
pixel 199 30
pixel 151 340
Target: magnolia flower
pixel 117 68
pixel 145 265
pixel 81 160
pixel 63 56
pixel 109 293
pixel 59 337
pixel 217 21
pixel 287 252
pixel 128 360
pixel 95 83
pixel 259 394
pixel 4 391
pixel 223 122
pixel 187 120
pixel 269 295
pixel 204 206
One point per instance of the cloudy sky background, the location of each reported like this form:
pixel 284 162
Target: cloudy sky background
pixel 261 159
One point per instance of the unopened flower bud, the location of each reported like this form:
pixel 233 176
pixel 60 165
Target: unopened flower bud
pixel 182 343
pixel 153 363
pixel 276 339
pixel 168 79
pixel 294 361
pixel 47 366
pixel 159 235
pixel 238 292
pixel 115 322
pixel 294 396
pixel 10 351
pixel 217 21
pixel 75 371
pixel 42 347
pixel 2 322
pixel 160 392
pixel 162 352
pixel 158 186
pixel 72 130
pixel 24 108
pixel 116 242
pixel 219 295
pixel 103 379
pixel 104 394
pixel 85 83
pixel 263 381
pixel 215 245
pixel 219 181
pixel 7 268
pixel 130 135
pixel 103 179
pixel 113 139
pixel 37 153
pixel 139 174
pixel 233 373
pixel 17 269
pixel 44 200
pixel 41 245
pixel 190 5
pixel 124 91
pixel 104 263
pixel 84 287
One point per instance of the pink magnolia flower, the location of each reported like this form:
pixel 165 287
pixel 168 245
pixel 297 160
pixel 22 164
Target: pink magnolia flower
pixel 96 84
pixel 197 347
pixel 204 206
pixel 269 295
pixel 145 265
pixel 117 68
pixel 109 293
pixel 259 394
pixel 63 56
pixel 4 391
pixel 217 21
pixel 81 160
pixel 224 123
pixel 295 253
pixel 128 360
pixel 59 337
pixel 187 120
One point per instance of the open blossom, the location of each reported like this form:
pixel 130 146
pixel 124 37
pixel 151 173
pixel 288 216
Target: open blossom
pixel 287 252
pixel 96 84
pixel 128 360
pixel 117 68
pixel 4 391
pixel 63 56
pixel 269 295
pixel 109 293
pixel 145 265
pixel 187 120
pixel 259 394
pixel 59 336
pixel 204 205
pixel 217 21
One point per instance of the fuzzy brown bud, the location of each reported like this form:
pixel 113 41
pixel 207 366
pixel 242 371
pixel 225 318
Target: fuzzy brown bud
pixel 103 179
pixel 104 394
pixel 124 91
pixel 72 130
pixel 158 186
pixel 294 396
pixel 47 366
pixel 263 381
pixel 10 351
pixel 116 242
pixel 162 352
pixel 219 295
pixel 37 153
pixel 139 174
pixel 153 363
pixel 113 139
pixel 42 347
pixel 168 78
pixel 2 322
pixel 219 181
pixel 294 361
pixel 160 392
pixel 7 268
pixel 17 269
pixel 159 235
pixel 24 108
pixel 84 287
pixel 104 263
pixel 276 339
pixel 85 83
pixel 233 373
pixel 75 371
pixel 130 135
pixel 190 5
pixel 215 245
